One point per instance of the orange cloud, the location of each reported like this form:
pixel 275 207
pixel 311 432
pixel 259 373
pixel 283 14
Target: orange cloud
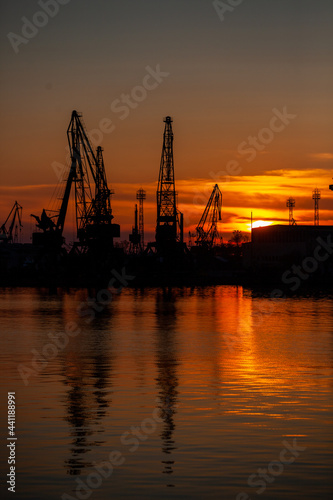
pixel 323 156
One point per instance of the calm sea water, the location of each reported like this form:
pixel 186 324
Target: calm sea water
pixel 187 393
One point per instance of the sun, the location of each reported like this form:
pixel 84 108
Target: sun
pixel 260 223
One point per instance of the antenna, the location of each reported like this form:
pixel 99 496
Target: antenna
pixel 141 195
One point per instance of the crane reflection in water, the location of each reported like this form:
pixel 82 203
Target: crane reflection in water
pixel 167 380
pixel 87 402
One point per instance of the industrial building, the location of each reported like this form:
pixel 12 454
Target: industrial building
pixel 278 246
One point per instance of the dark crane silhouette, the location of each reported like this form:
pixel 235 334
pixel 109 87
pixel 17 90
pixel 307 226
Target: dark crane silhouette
pixel 207 232
pixel 92 195
pixel 6 235
pixel 169 224
pixel 44 222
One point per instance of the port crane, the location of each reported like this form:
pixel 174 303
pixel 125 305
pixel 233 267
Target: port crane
pixel 169 226
pixel 92 195
pixel 207 232
pixel 6 235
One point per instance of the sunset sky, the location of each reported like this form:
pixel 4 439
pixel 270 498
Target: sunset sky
pixel 222 81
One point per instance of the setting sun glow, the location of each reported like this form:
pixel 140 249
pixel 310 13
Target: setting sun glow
pixel 260 223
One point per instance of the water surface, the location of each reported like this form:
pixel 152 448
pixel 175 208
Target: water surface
pixel 193 390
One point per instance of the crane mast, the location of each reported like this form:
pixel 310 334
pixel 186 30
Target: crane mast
pixel 207 231
pixel 167 215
